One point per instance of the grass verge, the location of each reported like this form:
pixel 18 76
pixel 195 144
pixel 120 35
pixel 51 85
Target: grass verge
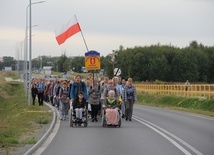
pixel 193 105
pixel 18 121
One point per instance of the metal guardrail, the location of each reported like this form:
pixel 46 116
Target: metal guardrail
pixel 205 91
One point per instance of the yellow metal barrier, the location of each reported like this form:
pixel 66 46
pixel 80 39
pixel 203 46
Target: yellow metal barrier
pixel 205 91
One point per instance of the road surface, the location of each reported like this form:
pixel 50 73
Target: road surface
pixel 153 131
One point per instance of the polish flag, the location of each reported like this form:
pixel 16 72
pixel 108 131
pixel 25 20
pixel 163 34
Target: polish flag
pixel 67 30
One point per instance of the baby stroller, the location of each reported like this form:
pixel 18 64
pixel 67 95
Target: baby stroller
pixel 106 122
pixel 75 121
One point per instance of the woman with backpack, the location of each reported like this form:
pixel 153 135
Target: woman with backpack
pixel 64 98
pixel 94 99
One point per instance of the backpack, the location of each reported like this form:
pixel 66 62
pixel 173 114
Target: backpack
pixel 98 89
pixel 64 94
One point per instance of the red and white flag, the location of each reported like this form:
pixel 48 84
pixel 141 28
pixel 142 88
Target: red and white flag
pixel 67 30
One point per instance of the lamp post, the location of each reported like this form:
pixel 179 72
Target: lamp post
pixel 26 32
pixel 26 58
pixel 19 55
pixel 30 49
pixel 17 58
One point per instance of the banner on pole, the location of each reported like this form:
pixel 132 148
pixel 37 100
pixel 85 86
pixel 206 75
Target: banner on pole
pixel 92 60
pixel 67 30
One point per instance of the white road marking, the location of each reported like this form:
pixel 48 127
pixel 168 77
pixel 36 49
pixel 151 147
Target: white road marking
pixel 50 137
pixel 165 134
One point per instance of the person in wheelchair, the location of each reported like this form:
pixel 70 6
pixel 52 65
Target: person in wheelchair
pixel 111 107
pixel 79 106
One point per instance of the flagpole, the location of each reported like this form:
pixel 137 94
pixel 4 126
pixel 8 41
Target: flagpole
pixel 85 46
pixel 82 34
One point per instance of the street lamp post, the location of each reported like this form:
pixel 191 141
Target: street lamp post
pixel 26 57
pixel 26 35
pixel 17 58
pixel 30 48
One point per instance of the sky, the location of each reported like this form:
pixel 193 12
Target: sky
pixel 105 24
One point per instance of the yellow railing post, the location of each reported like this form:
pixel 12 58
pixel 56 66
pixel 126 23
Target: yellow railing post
pixel 209 92
pixel 205 90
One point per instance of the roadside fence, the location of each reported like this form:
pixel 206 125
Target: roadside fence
pixel 205 91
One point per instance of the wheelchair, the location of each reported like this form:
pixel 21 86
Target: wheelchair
pixel 104 118
pixel 73 121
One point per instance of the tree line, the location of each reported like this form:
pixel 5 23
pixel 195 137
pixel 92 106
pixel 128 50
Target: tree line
pixel 168 63
pixel 149 63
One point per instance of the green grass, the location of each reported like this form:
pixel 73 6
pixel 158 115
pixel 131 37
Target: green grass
pixel 18 121
pixel 31 140
pixel 11 140
pixel 42 120
pixel 10 74
pixel 194 105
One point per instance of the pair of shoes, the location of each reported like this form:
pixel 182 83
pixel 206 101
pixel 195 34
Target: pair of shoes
pixel 95 119
pixel 130 119
pixel 92 120
pixel 123 116
pixel 126 118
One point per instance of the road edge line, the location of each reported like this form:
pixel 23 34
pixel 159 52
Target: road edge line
pixel 45 136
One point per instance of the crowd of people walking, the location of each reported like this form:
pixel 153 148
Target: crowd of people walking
pixel 91 93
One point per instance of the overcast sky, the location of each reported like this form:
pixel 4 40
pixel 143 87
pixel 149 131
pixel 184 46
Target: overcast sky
pixel 106 24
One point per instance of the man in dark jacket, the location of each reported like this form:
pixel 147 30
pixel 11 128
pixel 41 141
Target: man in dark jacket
pixel 34 92
pixel 41 88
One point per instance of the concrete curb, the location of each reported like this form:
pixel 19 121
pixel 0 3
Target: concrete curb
pixel 45 136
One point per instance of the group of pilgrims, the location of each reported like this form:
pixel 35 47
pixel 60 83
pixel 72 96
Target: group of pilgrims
pixel 93 93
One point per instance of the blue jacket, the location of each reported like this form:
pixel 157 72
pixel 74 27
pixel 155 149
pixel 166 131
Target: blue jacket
pixel 78 87
pixel 41 87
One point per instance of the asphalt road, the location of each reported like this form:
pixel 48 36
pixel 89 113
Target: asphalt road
pixel 153 131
